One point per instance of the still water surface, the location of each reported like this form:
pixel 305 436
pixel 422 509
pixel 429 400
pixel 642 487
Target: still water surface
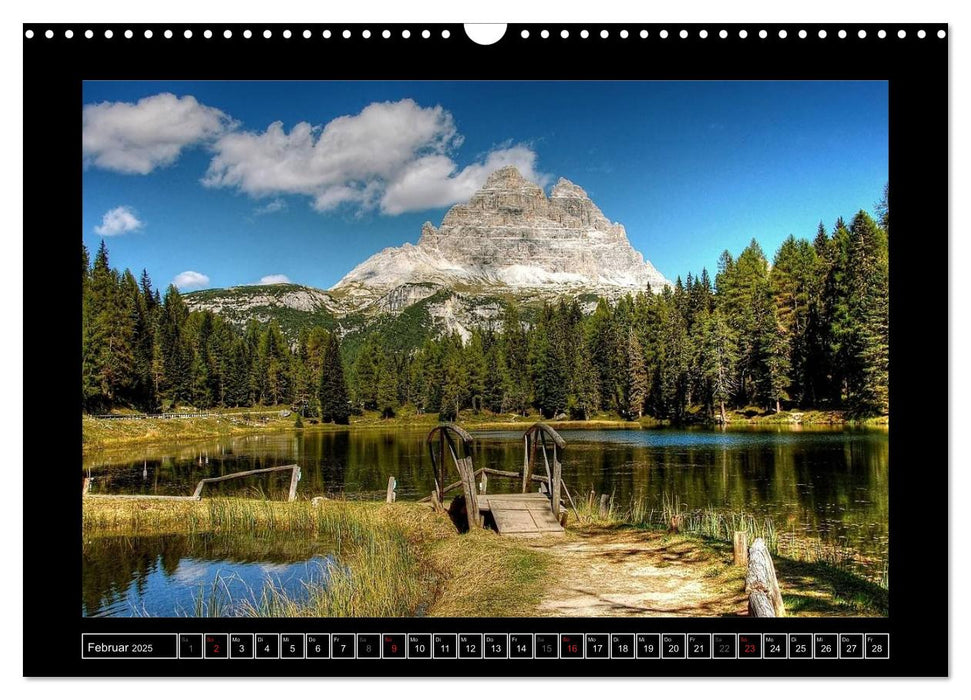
pixel 831 483
pixel 177 576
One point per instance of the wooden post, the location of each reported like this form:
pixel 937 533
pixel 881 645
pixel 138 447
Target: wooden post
pixel 531 463
pixel 525 459
pixel 468 486
pixel 436 504
pixel 441 466
pixel 765 598
pixel 392 484
pixel 741 548
pixel 86 486
pixel 483 483
pixel 555 485
pixel 603 505
pixel 294 478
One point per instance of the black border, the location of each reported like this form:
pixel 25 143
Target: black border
pixel 917 71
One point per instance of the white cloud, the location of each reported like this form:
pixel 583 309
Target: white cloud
pixel 435 181
pixel 136 138
pixel 271 207
pixel 392 156
pixel 274 279
pixel 190 279
pixel 118 221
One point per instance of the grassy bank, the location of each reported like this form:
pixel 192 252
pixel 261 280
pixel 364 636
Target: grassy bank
pixel 817 578
pixel 102 434
pixel 395 560
pixel 404 560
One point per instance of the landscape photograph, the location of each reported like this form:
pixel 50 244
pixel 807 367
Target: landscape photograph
pixel 485 349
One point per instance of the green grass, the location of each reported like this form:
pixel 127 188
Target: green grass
pixel 396 560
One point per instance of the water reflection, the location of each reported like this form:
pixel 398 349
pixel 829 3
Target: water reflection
pixel 828 482
pixel 175 575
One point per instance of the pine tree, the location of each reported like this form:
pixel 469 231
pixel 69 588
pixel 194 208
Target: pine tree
pixel 202 369
pixel 237 375
pixel 316 345
pixel 547 366
pixel 793 281
pixel 172 353
pixel 868 338
pixel 111 336
pixel 89 383
pixel 366 370
pixel 333 396
pixel 674 361
pixel 717 357
pixel 838 313
pixel 634 378
pixel 515 351
pixel 475 363
pixel 602 341
pixel 274 366
pixel 386 385
pixel 454 379
pixel 300 373
pixel 492 388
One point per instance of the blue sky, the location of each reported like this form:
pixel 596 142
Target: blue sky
pixel 191 177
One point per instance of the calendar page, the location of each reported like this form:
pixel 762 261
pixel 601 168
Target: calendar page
pixel 434 350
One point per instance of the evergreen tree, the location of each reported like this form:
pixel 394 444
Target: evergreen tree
pixel 794 288
pixel 89 348
pixel 868 337
pixel 332 394
pixel 548 370
pixel 492 390
pixel 515 352
pixel 716 358
pixel 111 339
pixel 634 386
pixel 172 354
pixel 366 370
pixel 602 341
pixel 838 313
pixel 475 363
pixel 454 379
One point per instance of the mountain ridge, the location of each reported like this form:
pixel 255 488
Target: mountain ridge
pixel 511 234
pixel 509 241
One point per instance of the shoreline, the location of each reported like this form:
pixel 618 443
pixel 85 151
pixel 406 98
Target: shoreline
pixel 99 434
pixel 405 560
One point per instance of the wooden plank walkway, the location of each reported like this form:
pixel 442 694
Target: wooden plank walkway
pixel 521 514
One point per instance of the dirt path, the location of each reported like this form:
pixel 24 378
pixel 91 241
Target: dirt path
pixel 618 573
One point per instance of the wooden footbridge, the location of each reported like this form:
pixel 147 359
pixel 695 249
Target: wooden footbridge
pixel 526 513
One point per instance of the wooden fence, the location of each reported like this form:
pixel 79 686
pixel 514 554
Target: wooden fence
pixel 197 494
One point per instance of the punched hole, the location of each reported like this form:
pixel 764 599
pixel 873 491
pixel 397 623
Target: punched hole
pixel 483 34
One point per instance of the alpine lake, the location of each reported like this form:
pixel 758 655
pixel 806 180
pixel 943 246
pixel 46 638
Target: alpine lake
pixel 823 484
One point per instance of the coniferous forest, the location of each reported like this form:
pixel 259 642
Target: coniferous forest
pixel 807 329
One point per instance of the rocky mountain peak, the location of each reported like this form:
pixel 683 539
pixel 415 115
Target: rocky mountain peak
pixel 574 200
pixel 510 234
pixel 506 177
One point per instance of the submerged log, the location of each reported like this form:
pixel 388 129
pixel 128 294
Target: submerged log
pixel 765 598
